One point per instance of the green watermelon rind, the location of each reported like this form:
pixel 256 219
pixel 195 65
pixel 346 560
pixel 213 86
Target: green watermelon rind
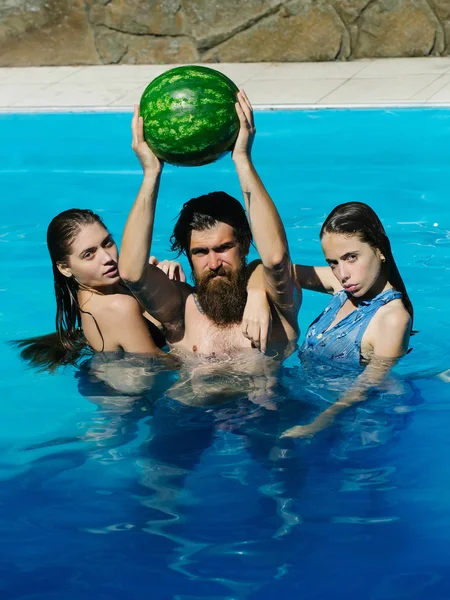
pixel 204 122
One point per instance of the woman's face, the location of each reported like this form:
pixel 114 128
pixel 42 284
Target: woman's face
pixel 93 257
pixel 355 264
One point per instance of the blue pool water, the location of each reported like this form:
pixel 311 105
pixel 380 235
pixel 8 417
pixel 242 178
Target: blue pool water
pixel 105 496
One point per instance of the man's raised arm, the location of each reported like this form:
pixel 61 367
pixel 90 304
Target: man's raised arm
pixel 267 228
pixel 160 296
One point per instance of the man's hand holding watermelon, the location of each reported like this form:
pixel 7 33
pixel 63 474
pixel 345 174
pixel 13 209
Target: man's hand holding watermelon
pixel 244 141
pixel 149 162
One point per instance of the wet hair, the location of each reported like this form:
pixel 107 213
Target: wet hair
pixel 357 218
pixel 205 212
pixel 68 344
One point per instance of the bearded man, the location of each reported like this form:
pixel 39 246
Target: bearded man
pixel 214 233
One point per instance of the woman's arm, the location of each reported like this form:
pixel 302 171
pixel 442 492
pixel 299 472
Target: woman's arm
pixel 389 345
pixel 316 279
pixel 370 378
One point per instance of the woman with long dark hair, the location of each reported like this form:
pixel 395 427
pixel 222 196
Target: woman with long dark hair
pixel 368 322
pixel 369 319
pixel 95 311
pixel 364 278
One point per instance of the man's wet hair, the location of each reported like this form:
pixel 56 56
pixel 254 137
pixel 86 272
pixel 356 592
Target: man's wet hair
pixel 205 212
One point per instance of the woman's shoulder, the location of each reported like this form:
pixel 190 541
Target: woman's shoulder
pixel 120 303
pixel 104 317
pixel 389 330
pixel 393 310
pixel 111 305
pixel 392 317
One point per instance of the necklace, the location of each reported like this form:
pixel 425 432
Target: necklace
pixel 197 304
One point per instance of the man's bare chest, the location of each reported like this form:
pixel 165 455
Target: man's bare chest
pixel 203 337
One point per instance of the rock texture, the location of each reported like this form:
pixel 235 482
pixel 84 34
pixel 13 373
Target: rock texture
pixel 46 32
pixel 73 32
pixel 399 28
pixel 299 31
pixel 442 10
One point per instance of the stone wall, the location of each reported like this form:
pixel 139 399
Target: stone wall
pixel 74 32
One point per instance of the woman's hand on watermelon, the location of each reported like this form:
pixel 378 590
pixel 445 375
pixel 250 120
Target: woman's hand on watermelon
pixel 149 162
pixel 243 145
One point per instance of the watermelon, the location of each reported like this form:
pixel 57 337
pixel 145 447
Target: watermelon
pixel 189 115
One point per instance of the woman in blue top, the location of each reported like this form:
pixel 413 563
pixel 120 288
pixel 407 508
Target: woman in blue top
pixel 370 312
pixel 368 321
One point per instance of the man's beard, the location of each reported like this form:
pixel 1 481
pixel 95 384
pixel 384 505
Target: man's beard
pixel 223 299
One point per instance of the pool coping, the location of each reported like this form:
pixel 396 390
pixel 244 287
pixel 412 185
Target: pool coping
pixel 258 107
pixel 365 83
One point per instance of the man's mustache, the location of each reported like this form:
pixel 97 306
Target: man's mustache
pixel 218 272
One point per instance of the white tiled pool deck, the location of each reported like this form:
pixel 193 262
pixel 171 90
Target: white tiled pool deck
pixel 377 82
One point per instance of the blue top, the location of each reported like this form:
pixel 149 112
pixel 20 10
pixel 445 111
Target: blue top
pixel 342 342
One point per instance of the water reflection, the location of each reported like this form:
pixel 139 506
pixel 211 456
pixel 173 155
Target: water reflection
pixel 211 495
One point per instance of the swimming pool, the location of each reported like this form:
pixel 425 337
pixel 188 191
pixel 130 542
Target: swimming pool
pixel 105 496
